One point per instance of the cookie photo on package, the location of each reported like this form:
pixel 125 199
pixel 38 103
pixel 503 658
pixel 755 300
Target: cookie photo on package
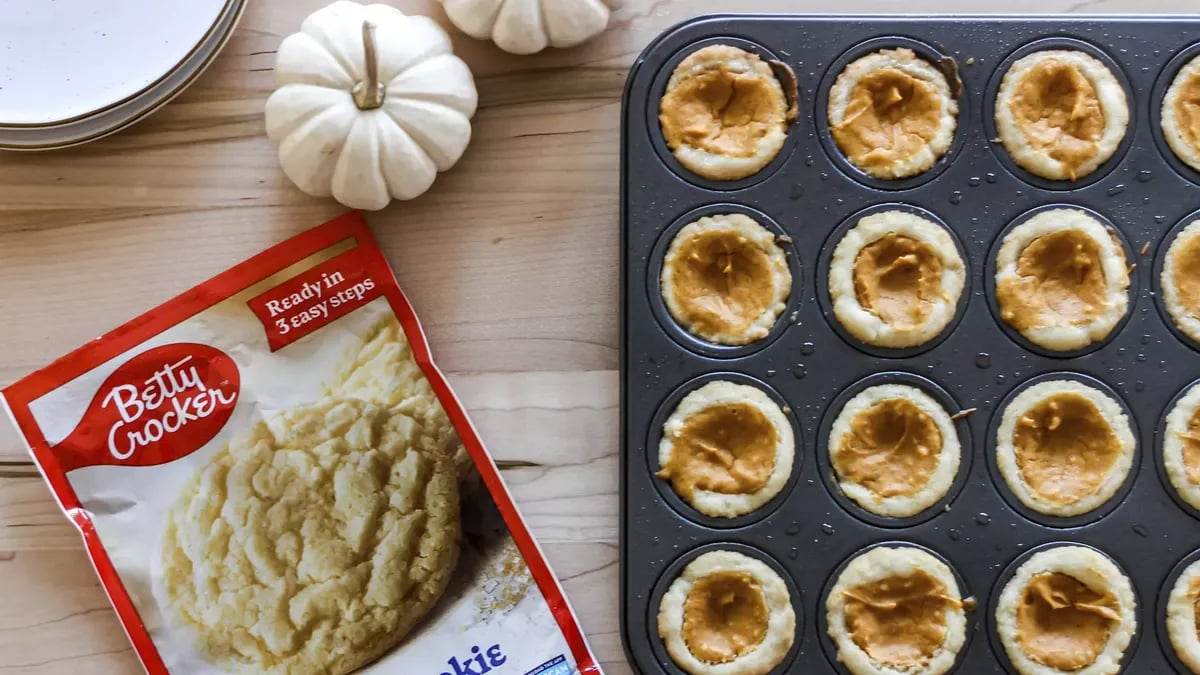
pixel 271 476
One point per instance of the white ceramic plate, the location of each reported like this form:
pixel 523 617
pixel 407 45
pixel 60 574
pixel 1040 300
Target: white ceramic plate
pixel 68 58
pixel 124 92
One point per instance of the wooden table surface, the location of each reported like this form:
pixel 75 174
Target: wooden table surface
pixel 511 261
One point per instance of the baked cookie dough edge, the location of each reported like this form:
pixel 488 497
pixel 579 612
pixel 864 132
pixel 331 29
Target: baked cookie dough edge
pixel 949 456
pixel 1088 566
pixel 1110 93
pixel 1006 460
pixel 717 392
pixel 781 618
pixel 877 563
pixel 1113 263
pixel 864 325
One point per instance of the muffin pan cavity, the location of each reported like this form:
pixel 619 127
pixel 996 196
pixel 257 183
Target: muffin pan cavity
pixel 948 67
pixel 824 297
pixel 935 392
pixel 1161 84
pixel 693 342
pixel 1132 256
pixel 667 492
pixel 1051 43
pixel 809 196
pixel 659 142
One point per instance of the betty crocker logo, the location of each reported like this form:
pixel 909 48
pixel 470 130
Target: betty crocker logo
pixel 160 405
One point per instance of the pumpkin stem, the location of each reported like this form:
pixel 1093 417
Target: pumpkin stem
pixel 368 94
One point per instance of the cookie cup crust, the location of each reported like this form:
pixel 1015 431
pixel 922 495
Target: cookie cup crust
pixel 1090 568
pixel 755 235
pixel 1186 152
pixel 719 504
pixel 781 618
pixel 918 68
pixel 949 455
pixel 1181 618
pixel 1177 424
pixel 861 322
pixel 1109 93
pixel 877 564
pixel 714 166
pixel 1112 263
pixel 1187 322
pixel 1006 455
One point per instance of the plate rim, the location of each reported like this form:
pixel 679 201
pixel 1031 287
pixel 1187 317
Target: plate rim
pixel 212 29
pixel 211 46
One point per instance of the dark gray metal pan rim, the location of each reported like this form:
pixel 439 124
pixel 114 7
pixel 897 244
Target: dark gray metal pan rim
pixel 826 302
pixel 677 503
pixel 1013 334
pixel 988 115
pixel 825 466
pixel 821 115
pixel 1011 569
pixel 1062 522
pixel 681 335
pixel 830 648
pixel 672 572
pixel 658 87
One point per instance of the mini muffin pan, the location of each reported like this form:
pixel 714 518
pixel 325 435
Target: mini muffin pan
pixel 810 194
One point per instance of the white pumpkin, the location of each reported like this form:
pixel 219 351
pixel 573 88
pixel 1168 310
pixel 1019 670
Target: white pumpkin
pixel 371 104
pixel 528 26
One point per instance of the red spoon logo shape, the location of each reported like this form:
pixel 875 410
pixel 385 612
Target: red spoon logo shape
pixel 160 405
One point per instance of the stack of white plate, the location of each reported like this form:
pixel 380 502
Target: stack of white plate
pixel 72 71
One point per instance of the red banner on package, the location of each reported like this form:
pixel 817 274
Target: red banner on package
pixel 315 298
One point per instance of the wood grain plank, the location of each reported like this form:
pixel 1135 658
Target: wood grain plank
pixel 56 618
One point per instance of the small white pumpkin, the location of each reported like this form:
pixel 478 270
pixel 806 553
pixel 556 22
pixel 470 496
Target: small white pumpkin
pixel 371 104
pixel 528 26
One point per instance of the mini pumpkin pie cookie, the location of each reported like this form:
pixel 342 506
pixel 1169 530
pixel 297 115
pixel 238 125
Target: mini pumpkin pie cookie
pixel 895 280
pixel 896 611
pixel 892 114
pixel 1060 113
pixel 894 450
pixel 1064 448
pixel 1068 609
pixel 1181 114
pixel 1180 281
pixel 725 114
pixel 1183 617
pixel 727 449
pixel 1062 280
pixel 727 614
pixel 725 279
pixel 314 543
pixel 1181 447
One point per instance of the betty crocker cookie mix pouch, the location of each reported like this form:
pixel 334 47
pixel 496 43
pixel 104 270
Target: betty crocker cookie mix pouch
pixel 271 476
